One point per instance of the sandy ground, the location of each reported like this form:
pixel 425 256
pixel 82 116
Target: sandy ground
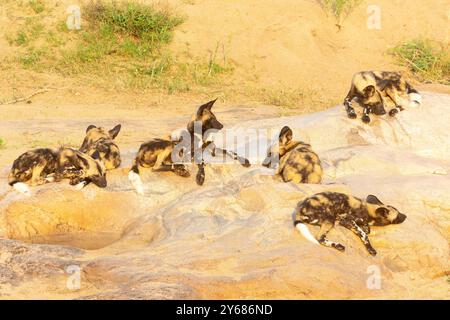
pixel 233 237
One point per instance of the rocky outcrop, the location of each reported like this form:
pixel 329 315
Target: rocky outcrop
pixel 233 237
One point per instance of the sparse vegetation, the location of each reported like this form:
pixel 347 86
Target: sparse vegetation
pixel 37 5
pixel 2 143
pixel 340 8
pixel 124 44
pixel 428 60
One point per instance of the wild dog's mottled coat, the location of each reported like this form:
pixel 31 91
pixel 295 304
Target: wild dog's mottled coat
pixel 80 168
pixel 375 89
pixel 44 165
pixel 297 161
pixel 157 153
pixel 33 167
pixel 326 208
pixel 100 140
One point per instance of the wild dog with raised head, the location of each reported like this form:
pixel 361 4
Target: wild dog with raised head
pixel 45 165
pixel 158 153
pixel 205 120
pixel 297 161
pixel 326 208
pixel 101 140
pixel 376 89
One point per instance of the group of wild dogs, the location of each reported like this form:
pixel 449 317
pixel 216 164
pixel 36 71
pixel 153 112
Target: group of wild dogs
pixel 295 161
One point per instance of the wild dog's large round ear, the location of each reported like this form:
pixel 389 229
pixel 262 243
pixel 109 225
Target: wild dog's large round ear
pixel 369 91
pixel 115 131
pixel 285 135
pixel 95 155
pixel 382 212
pixel 206 106
pixel 373 200
pixel 90 127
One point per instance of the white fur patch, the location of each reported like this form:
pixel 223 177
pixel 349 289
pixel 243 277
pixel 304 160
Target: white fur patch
pixel 80 186
pixel 136 181
pixel 22 188
pixel 415 97
pixel 306 233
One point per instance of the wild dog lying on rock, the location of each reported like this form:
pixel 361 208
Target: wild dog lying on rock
pixel 297 161
pixel 326 208
pixel 100 140
pixel 374 89
pixel 159 154
pixel 45 165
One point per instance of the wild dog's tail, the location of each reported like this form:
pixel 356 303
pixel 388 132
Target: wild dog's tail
pixel 22 188
pixel 414 95
pixel 305 231
pixel 134 177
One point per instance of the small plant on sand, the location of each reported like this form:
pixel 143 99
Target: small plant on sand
pixel 2 143
pixel 37 5
pixel 340 8
pixel 428 60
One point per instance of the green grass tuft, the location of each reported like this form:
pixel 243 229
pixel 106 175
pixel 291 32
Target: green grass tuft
pixel 37 6
pixel 2 143
pixel 340 8
pixel 430 61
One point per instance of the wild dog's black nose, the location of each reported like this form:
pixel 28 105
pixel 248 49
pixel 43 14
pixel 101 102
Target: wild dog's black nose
pixel 400 218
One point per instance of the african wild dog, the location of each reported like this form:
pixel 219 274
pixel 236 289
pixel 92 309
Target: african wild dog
pixel 326 208
pixel 374 89
pixel 100 140
pixel 45 165
pixel 297 161
pixel 158 154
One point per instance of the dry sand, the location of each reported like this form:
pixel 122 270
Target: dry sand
pixel 233 237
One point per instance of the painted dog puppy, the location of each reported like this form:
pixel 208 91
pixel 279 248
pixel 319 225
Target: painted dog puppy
pixel 155 154
pixel 326 208
pixel 202 123
pixel 297 161
pixel 100 140
pixel 373 89
pixel 45 165
pixel 159 154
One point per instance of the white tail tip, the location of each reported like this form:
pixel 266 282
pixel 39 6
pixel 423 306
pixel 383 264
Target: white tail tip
pixel 22 188
pixel 136 181
pixel 306 233
pixel 80 186
pixel 415 97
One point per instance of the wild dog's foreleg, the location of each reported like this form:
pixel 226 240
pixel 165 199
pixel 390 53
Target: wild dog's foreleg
pixel 36 177
pixel 365 117
pixel 397 108
pixel 322 236
pixel 359 231
pixel 243 161
pixel 200 178
pixel 348 103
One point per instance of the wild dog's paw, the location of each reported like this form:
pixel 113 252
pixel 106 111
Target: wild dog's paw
pixel 22 188
pixel 365 119
pixel 372 251
pixel 351 114
pixel 180 170
pixel 244 162
pixel 339 247
pixel 136 182
pixel 200 179
pixel 393 112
